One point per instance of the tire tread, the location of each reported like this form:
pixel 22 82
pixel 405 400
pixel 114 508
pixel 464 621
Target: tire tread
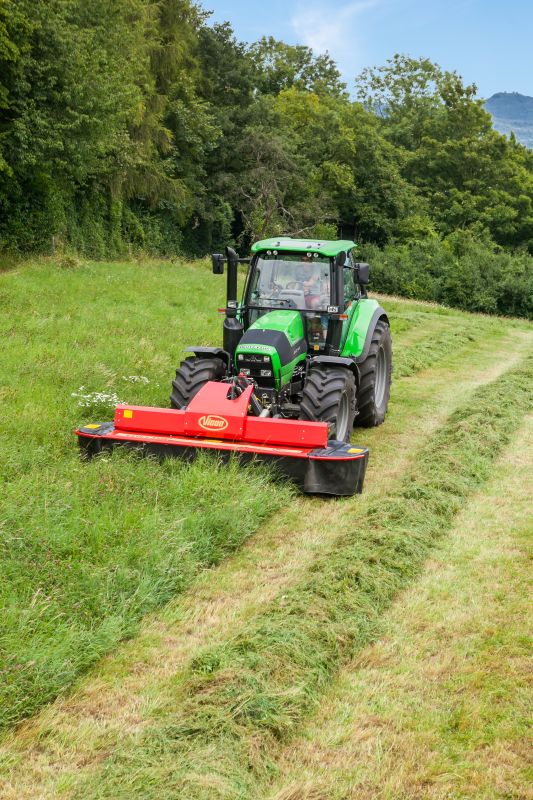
pixel 369 416
pixel 191 375
pixel 322 393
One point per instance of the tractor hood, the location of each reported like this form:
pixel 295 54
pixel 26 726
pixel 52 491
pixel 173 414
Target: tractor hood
pixel 284 321
pixel 276 343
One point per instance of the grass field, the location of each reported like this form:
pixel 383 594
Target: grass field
pixel 249 635
pixel 439 706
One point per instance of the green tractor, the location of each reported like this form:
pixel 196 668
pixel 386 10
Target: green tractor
pixel 305 334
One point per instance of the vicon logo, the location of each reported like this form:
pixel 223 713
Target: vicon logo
pixel 213 423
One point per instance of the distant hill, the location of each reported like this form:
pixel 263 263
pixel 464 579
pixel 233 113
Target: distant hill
pixel 512 112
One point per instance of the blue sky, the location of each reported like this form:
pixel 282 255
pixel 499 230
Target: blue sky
pixel 489 42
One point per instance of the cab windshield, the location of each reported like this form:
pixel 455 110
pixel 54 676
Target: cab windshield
pixel 291 280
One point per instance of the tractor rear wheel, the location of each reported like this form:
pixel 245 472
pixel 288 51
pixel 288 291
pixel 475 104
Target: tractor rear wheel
pixel 191 375
pixel 329 396
pixel 375 378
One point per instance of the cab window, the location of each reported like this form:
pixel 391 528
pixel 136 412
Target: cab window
pixel 291 280
pixel 350 290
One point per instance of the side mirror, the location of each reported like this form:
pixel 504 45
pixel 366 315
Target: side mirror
pixel 217 260
pixel 340 260
pixel 362 271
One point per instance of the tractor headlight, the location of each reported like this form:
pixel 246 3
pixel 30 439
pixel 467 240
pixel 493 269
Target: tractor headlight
pixel 266 373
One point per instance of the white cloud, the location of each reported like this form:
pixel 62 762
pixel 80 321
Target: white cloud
pixel 328 26
pixel 324 27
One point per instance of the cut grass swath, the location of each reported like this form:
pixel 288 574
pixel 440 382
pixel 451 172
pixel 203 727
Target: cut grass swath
pixel 440 705
pixel 219 731
pixel 432 349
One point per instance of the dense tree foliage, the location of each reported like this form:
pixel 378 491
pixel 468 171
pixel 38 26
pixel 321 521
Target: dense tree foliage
pixel 468 172
pixel 465 269
pixel 137 125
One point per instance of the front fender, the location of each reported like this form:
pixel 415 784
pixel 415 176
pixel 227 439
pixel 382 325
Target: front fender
pixel 217 352
pixel 335 361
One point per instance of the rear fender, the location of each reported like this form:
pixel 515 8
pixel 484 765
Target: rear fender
pixel 362 325
pixel 378 315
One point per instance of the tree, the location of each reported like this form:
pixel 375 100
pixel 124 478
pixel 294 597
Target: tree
pixel 283 66
pixel 227 83
pixel 70 96
pixel 351 169
pixel 468 172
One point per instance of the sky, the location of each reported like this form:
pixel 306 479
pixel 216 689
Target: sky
pixel 489 42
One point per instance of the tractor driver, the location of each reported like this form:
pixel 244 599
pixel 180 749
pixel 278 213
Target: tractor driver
pixel 308 276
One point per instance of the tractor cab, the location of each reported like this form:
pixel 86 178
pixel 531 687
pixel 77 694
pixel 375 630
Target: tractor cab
pixel 300 281
pixel 302 334
pixel 291 280
pixel 317 285
pixel 319 280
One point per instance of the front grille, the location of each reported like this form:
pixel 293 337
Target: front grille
pixel 258 367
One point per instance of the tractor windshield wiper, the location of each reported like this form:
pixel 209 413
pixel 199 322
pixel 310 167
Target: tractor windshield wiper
pixel 280 300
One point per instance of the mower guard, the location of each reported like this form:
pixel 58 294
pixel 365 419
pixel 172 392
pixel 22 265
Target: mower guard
pixel 214 421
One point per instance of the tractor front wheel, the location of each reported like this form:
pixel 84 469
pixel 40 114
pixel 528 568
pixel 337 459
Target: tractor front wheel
pixel 191 375
pixel 329 396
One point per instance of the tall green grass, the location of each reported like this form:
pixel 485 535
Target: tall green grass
pixel 87 549
pixel 221 726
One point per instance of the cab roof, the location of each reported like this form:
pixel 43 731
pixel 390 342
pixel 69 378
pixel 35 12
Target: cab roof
pixel 325 247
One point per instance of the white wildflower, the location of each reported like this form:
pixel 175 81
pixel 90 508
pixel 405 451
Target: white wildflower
pixel 86 400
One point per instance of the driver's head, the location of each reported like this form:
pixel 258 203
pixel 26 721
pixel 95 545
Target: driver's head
pixel 307 264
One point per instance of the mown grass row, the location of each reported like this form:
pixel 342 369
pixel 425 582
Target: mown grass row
pixel 442 333
pixel 432 349
pixel 220 727
pixel 440 705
